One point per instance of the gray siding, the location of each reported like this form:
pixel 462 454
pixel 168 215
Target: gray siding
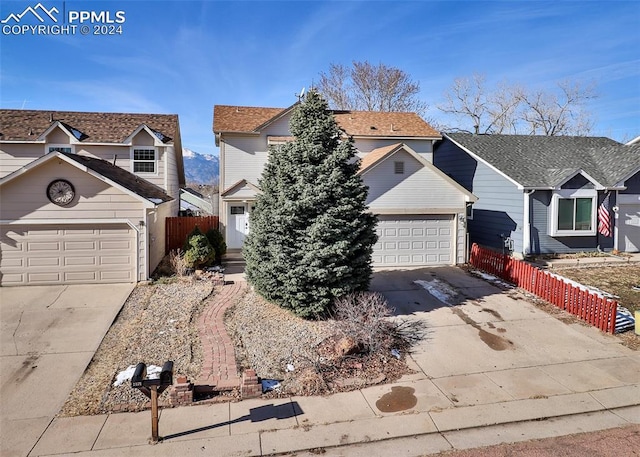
pixel 543 243
pixel 499 209
pixel 632 184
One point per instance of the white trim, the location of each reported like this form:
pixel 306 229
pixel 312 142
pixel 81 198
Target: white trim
pixel 128 141
pixel 480 159
pixel 526 223
pixel 57 124
pixel 586 175
pixel 416 211
pixel 133 161
pixel 616 237
pixel 573 194
pixel 48 146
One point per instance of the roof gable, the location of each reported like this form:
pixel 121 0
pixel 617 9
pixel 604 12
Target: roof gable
pixel 546 162
pixel 115 176
pixel 379 155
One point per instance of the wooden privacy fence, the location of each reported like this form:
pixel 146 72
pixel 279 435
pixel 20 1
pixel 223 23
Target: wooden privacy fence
pixel 588 306
pixel 177 229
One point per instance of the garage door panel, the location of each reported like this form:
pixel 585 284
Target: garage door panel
pixel 406 240
pixel 629 227
pixel 71 254
pixel 43 246
pixel 43 262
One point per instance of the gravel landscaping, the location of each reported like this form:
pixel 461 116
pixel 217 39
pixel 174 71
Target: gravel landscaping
pixel 156 324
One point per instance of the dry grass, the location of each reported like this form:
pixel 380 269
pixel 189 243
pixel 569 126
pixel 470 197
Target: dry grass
pixel 617 280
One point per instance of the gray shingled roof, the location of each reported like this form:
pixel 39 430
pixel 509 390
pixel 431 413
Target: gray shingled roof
pixel 122 177
pixel 536 161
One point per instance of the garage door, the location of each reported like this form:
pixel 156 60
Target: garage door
pixel 67 254
pixel 414 240
pixel 629 228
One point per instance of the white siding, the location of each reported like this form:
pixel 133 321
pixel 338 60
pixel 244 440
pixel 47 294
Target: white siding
pixel 157 230
pixel 16 156
pixel 418 187
pixel 422 147
pixel 245 158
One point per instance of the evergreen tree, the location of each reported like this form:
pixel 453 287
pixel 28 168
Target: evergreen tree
pixel 311 238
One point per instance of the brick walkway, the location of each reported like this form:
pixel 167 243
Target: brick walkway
pixel 219 362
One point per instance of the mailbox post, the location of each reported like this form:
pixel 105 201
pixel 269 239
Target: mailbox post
pixel 152 388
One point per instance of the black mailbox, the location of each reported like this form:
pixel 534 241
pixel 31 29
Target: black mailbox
pixel 166 375
pixel 139 375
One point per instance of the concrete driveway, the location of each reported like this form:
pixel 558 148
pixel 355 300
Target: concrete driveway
pixel 48 335
pixel 488 345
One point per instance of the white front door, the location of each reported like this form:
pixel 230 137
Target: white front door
pixel 238 225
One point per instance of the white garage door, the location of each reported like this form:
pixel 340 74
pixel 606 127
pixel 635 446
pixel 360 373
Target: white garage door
pixel 629 228
pixel 67 254
pixel 414 240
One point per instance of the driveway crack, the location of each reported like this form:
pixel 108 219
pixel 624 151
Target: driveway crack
pixel 56 299
pixel 15 344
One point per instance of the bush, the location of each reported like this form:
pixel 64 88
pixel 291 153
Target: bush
pixel 178 263
pixel 199 253
pixel 217 242
pixel 363 319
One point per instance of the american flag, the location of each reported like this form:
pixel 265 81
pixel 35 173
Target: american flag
pixel 604 217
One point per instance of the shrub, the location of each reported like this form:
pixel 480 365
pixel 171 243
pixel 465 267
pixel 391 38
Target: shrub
pixel 363 319
pixel 200 252
pixel 217 242
pixel 178 263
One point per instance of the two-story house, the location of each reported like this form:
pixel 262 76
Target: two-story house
pixel 421 211
pixel 84 196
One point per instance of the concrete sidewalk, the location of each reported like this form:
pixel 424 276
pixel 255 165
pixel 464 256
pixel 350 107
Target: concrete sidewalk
pixel 493 369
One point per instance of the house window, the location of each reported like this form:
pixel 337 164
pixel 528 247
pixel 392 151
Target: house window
pixel 237 210
pixel 469 211
pixel 573 214
pixel 144 160
pixel 60 148
pixel 398 168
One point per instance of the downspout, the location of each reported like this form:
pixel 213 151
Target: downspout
pixel 526 223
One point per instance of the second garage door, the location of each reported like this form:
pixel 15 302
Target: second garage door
pixel 629 228
pixel 414 240
pixel 67 254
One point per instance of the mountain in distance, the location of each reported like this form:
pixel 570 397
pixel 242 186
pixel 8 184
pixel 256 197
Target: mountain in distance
pixel 200 168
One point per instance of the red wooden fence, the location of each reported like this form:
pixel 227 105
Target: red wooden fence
pixel 177 229
pixel 588 306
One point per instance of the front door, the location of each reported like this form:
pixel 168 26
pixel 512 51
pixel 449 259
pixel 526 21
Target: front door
pixel 238 225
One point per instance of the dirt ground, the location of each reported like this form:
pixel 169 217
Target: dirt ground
pixel 617 280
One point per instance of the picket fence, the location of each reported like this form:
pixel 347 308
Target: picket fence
pixel 587 305
pixel 177 229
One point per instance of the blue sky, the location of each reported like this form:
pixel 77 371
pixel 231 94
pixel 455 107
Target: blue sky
pixel 186 56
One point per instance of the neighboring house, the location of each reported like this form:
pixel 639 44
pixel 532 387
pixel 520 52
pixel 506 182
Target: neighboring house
pixel 84 196
pixel 193 203
pixel 542 194
pixel 421 211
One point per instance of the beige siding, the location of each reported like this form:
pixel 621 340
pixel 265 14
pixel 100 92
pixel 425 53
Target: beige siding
pixel 157 229
pixel 25 197
pixel 418 187
pixel 245 158
pixel 16 156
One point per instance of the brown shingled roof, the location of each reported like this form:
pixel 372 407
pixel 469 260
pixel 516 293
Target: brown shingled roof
pixel 377 155
pixel 244 119
pixel 28 125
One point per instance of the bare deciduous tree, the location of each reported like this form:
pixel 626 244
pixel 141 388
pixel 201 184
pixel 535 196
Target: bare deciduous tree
pixel 368 87
pixel 513 109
